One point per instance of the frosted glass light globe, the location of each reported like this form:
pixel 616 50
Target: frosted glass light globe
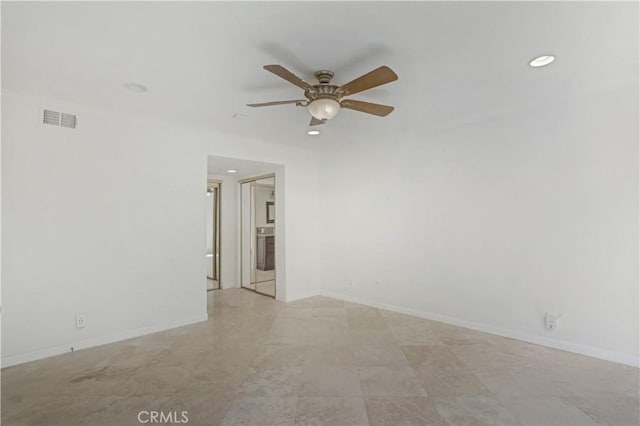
pixel 324 109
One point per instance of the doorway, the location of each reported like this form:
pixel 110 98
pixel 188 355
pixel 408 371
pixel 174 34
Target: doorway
pixel 213 235
pixel 257 234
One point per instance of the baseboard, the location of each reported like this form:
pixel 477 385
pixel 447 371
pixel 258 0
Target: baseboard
pixel 97 341
pixel 305 296
pixel 591 351
pixel 226 286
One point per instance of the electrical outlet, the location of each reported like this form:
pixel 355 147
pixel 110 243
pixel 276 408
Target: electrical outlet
pixel 551 321
pixel 81 321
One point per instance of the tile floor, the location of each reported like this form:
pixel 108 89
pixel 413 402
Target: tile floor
pixel 319 361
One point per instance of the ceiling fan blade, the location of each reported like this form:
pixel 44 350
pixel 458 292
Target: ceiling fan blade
pixel 282 72
pixel 377 77
pixel 275 103
pixel 315 121
pixel 368 107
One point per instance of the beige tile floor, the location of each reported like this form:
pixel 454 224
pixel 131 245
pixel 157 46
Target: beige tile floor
pixel 319 361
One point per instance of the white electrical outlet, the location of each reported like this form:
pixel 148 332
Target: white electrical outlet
pixel 551 321
pixel 81 321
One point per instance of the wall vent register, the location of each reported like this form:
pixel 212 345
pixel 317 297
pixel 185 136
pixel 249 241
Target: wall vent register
pixel 61 119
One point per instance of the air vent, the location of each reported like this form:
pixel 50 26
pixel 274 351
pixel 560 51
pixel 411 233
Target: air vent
pixel 68 120
pixel 56 118
pixel 51 117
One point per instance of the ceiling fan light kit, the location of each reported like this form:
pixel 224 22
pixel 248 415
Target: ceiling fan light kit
pixel 324 108
pixel 324 100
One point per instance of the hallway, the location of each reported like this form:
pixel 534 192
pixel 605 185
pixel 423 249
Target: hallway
pixel 319 361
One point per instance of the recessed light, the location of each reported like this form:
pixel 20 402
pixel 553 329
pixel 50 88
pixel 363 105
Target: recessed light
pixel 231 171
pixel 541 61
pixel 136 87
pixel 313 132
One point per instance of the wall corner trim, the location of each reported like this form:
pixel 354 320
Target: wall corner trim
pixel 591 351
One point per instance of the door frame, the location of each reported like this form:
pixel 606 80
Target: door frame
pixel 216 231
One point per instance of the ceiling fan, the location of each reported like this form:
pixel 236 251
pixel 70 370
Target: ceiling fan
pixel 324 100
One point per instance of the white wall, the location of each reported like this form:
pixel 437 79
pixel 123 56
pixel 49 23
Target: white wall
pixel 108 220
pixel 487 225
pixel 492 224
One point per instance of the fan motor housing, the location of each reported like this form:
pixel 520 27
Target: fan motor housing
pixel 322 90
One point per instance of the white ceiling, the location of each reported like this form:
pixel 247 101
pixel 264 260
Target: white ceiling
pixel 456 61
